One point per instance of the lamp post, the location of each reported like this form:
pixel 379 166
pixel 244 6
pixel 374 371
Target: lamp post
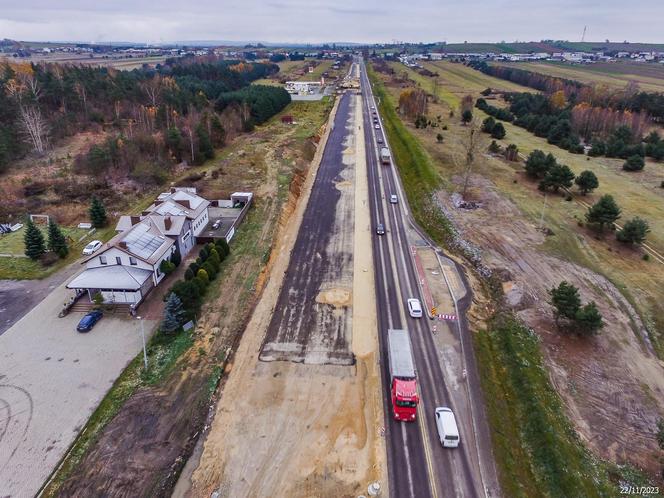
pixel 145 353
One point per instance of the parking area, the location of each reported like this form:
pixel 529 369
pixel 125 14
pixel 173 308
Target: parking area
pixel 51 380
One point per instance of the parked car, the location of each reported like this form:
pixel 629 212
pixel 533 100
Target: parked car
pixel 448 432
pixel 414 308
pixel 92 247
pixel 216 224
pixel 394 199
pixel 380 229
pixel 89 321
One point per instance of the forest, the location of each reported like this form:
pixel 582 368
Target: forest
pixel 569 114
pixel 152 118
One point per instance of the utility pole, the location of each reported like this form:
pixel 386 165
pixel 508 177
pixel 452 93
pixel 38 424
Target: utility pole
pixel 541 223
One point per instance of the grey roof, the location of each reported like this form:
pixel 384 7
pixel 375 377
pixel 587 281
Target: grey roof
pixel 175 227
pixel 143 240
pixel 179 203
pixel 110 277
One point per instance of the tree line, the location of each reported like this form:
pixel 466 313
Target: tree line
pixel 42 103
pixel 627 99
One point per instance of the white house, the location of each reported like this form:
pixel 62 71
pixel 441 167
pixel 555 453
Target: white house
pixel 304 87
pixel 127 267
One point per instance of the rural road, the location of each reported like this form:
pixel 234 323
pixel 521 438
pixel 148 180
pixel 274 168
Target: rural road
pixel 417 463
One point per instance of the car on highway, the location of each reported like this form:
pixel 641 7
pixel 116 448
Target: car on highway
pixel 377 126
pixel 89 321
pixel 91 247
pixel 394 199
pixel 379 140
pixel 380 229
pixel 448 432
pixel 414 308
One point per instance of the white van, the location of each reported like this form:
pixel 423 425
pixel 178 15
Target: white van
pixel 448 432
pixel 414 308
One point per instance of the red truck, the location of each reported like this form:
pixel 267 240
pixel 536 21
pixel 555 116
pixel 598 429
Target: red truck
pixel 403 379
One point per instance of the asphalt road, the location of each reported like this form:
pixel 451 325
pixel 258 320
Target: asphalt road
pixel 307 326
pixel 18 297
pixel 418 465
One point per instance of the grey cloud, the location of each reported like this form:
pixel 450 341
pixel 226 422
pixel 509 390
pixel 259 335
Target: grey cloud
pixel 328 20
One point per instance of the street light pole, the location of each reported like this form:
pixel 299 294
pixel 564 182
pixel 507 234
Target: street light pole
pixel 145 353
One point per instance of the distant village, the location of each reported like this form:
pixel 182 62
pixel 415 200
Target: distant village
pixel 411 60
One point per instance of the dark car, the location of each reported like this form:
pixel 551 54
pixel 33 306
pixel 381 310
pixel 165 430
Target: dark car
pixel 380 229
pixel 89 320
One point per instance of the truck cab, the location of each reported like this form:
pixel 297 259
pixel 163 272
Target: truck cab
pixel 404 399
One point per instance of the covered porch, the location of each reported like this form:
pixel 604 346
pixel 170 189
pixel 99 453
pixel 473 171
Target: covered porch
pixel 116 284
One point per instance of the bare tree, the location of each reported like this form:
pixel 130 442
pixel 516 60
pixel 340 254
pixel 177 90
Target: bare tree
pixel 471 143
pixel 152 88
pixel 25 90
pixel 34 127
pixel 79 88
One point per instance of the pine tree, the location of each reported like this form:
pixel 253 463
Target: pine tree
pixel 34 241
pixel 173 314
pixel 97 213
pixel 558 176
pixel 588 319
pixel 56 240
pixel 587 181
pixel 218 132
pixel 565 298
pixel 204 142
pixel 634 231
pixel 498 131
pixel 604 212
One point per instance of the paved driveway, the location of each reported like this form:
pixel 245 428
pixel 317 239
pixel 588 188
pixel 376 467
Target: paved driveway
pixel 51 380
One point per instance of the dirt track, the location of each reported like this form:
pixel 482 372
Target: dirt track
pixel 300 430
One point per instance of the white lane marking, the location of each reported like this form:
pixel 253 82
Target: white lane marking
pixel 404 438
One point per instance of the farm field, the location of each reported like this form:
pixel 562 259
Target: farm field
pixel 322 67
pixel 621 364
pixel 650 77
pixel 458 78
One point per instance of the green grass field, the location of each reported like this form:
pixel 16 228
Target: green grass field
pixel 638 194
pixel 650 77
pixel 322 67
pixel 22 268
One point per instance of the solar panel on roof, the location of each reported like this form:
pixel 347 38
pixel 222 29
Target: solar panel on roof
pixel 141 242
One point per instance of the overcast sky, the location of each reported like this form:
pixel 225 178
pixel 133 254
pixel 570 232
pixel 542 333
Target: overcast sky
pixel 331 20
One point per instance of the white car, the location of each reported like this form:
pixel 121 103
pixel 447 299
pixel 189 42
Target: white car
pixel 414 308
pixel 448 432
pixel 394 199
pixel 92 247
pixel 377 126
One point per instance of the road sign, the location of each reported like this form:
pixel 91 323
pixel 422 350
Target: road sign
pixel 446 317
pixel 433 310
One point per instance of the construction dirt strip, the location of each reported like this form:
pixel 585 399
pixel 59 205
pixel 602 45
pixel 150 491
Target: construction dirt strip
pixel 293 429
